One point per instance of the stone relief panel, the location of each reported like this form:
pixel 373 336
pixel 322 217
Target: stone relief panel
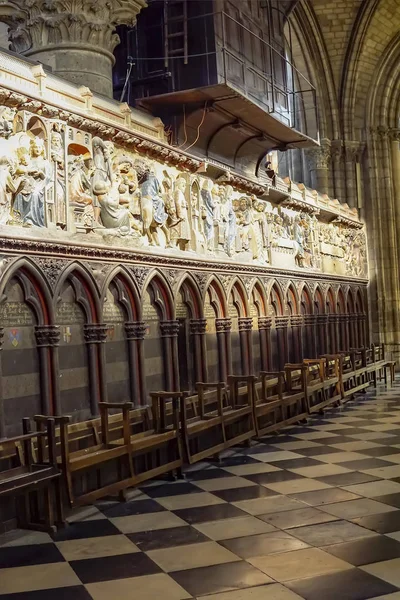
pixel 58 178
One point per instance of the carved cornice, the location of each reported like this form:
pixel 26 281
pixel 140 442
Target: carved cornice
pixel 47 335
pixel 95 333
pixel 223 325
pixel 135 330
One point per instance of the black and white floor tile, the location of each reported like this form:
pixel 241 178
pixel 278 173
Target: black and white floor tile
pixel 312 513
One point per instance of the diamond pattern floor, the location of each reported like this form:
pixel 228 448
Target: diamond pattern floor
pixel 311 513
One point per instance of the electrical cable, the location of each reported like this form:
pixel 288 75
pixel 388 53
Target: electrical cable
pixel 199 127
pixel 127 78
pixel 184 127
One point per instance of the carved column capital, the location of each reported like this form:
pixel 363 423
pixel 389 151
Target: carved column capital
pixel 353 151
pixel 245 323
pixel 281 322
pixel 198 326
pixel 296 320
pixel 321 319
pixel 264 322
pixel 319 158
pixel 309 319
pixel 68 34
pixel 169 328
pixel 135 330
pixel 95 333
pixel 1 337
pixel 394 134
pixel 223 324
pixel 47 335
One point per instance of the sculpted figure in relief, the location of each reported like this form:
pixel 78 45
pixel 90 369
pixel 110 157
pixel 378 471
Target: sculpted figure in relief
pixel 57 156
pixel 153 209
pixel 33 173
pixel 102 171
pixel 183 233
pixel 208 213
pixel 260 227
pixel 229 219
pixel 7 188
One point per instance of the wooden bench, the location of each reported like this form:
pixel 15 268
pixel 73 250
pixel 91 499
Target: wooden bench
pixel 84 447
pixel 382 364
pixel 322 384
pixel 202 421
pixel 276 405
pixel 32 479
pixel 352 378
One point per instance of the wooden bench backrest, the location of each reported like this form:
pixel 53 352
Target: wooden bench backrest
pixel 378 352
pixel 241 390
pixel 20 450
pixel 332 365
pixel 269 384
pixel 295 376
pixel 315 369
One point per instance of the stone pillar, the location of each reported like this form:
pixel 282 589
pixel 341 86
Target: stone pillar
pixel 332 337
pixel 47 340
pixel 318 159
pixel 353 330
pixel 135 332
pixel 198 335
pixel 95 335
pixel 223 327
pixel 169 336
pixel 246 345
pixel 296 322
pixel 309 347
pixel 76 38
pixel 264 328
pixel 338 188
pixel 352 155
pixel 281 324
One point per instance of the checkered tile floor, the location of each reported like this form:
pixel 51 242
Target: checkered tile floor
pixel 311 513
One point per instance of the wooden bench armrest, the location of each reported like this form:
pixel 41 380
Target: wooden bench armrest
pixel 210 385
pixel 111 405
pixel 58 420
pixel 165 395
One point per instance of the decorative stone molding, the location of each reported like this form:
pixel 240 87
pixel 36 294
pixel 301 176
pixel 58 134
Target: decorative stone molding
pixel 47 335
pixel 281 322
pixel 321 319
pixel 223 324
pixel 296 320
pixel 169 328
pixel 309 319
pixel 95 333
pixel 198 326
pixel 264 322
pixel 135 330
pixel 245 323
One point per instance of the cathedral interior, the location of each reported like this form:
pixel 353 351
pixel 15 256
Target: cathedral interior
pixel 199 299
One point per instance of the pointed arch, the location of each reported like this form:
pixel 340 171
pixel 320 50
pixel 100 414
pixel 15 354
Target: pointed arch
pixel 161 295
pixel 85 289
pixel 319 304
pixel 341 301
pixel 276 300
pixel 306 304
pixel 292 299
pixel 128 294
pixel 191 296
pixel 35 287
pixel 239 296
pixel 259 298
pixel 217 297
pixel 330 301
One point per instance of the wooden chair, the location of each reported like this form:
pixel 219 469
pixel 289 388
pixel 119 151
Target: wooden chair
pixel 239 414
pixel 97 451
pixel 202 421
pixel 31 479
pixel 315 384
pixel 382 364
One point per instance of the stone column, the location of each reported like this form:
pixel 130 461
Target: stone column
pixel 135 332
pixel 264 328
pixel 246 346
pixel 338 189
pixel 309 348
pixel 281 324
pixel 47 340
pixel 331 340
pixel 95 335
pixel 198 335
pixel 318 160
pixel 352 155
pixel 76 38
pixel 296 322
pixel 353 330
pixel 169 336
pixel 223 327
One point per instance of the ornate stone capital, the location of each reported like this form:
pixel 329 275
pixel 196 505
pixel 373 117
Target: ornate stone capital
pixel 319 158
pixel 281 322
pixel 70 34
pixel 198 326
pixel 353 151
pixel 264 322
pixel 321 319
pixel 309 319
pixel 135 330
pixel 95 333
pixel 169 328
pixel 394 135
pixel 245 323
pixel 47 335
pixel 296 320
pixel 222 325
